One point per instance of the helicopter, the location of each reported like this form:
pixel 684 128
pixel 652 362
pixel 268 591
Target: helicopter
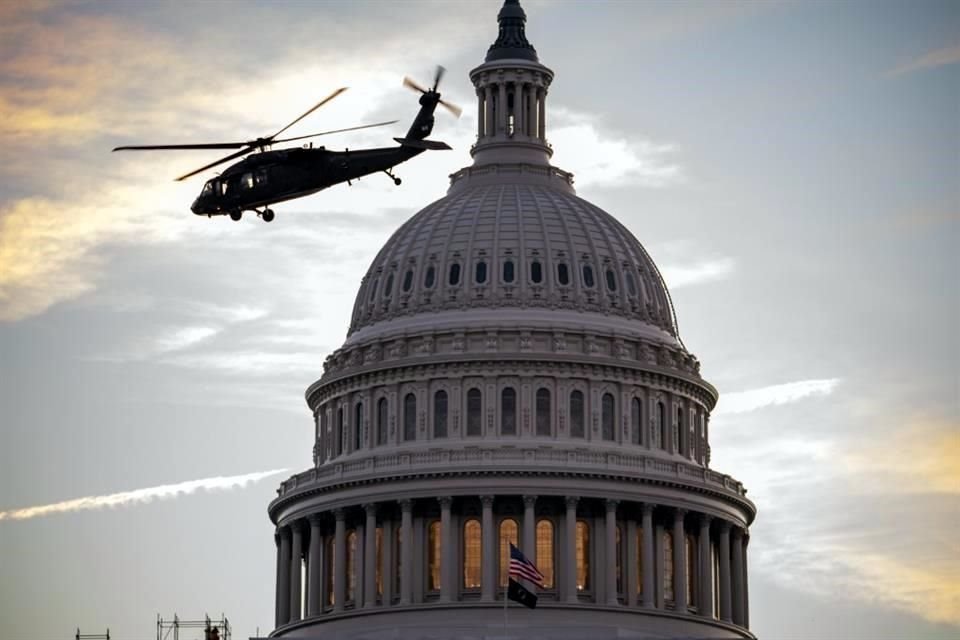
pixel 270 176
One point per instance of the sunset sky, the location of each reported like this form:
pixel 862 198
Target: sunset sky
pixel 792 167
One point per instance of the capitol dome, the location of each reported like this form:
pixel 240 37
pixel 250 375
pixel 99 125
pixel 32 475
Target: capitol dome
pixel 512 374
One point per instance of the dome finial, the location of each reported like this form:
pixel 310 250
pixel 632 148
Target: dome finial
pixel 511 41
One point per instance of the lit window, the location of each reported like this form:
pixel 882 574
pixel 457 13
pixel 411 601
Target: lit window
pixel 474 412
pixel 667 566
pixel 472 554
pixel 508 271
pixel 607 416
pixel 481 272
pixel 351 564
pixel 637 416
pixel 382 421
pixel 440 414
pixel 508 412
pixel 576 414
pixel 454 275
pixel 543 412
pixel 563 274
pixel 545 551
pixel 433 556
pixel 536 272
pixel 430 277
pixel 407 280
pixel 583 555
pixel 410 417
pixel 588 276
pixel 508 535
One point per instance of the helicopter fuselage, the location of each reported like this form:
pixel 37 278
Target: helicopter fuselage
pixel 268 177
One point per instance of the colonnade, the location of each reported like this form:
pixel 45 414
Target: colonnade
pixel 528 110
pixel 605 552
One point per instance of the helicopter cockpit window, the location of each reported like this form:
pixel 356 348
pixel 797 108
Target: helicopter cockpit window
pixel 223 187
pixel 207 189
pixel 246 181
pixel 260 177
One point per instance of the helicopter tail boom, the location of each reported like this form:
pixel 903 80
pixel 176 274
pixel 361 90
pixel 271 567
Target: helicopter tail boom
pixel 434 145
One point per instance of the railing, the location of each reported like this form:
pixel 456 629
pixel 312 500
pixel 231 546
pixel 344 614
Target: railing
pixel 512 169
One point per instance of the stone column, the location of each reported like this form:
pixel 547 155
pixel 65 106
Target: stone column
pixel 724 552
pixel 542 113
pixel 283 590
pixel 276 614
pixel 370 557
pixel 518 124
pixel 571 551
pixel 679 562
pixel 647 558
pixel 387 576
pixel 502 108
pixel 406 552
pixel 630 575
pixel 314 567
pixel 296 569
pixel 612 560
pixel 531 97
pixel 447 560
pixel 339 560
pixel 746 590
pixel 736 547
pixel 488 551
pixel 479 113
pixel 529 539
pixel 489 126
pixel 705 606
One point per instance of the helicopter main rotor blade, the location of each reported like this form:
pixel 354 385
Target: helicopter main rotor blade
pixel 309 111
pixel 439 76
pixel 409 83
pixel 452 108
pixel 323 133
pixel 156 147
pixel 242 152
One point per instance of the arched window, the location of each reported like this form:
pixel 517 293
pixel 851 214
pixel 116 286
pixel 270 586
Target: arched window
pixel 454 278
pixel 619 537
pixel 474 412
pixel 430 277
pixel 440 414
pixel 379 571
pixel 691 554
pixel 588 276
pixel 407 280
pixel 543 412
pixel 341 436
pixel 681 443
pixel 382 420
pixel 536 272
pixel 508 535
pixel 351 565
pixel 607 417
pixel 583 555
pixel 661 425
pixel 388 287
pixel 563 274
pixel 637 420
pixel 358 427
pixel 480 274
pixel 508 412
pixel 576 414
pixel 611 280
pixel 328 564
pixel 668 566
pixel 433 556
pixel 410 417
pixel 508 275
pixel 472 554
pixel 545 545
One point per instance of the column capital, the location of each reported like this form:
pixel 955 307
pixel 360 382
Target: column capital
pixel 285 531
pixel 445 501
pixel 725 526
pixel 647 508
pixel 314 519
pixel 612 505
pixel 406 504
pixel 736 532
pixel 370 507
pixel 572 502
pixel 705 519
pixel 340 514
pixel 529 501
pixel 486 501
pixel 679 514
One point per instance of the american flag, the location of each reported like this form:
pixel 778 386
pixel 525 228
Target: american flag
pixel 523 568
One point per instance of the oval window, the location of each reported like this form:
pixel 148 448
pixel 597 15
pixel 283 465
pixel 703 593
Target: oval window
pixel 430 277
pixel 508 271
pixel 587 275
pixel 408 280
pixel 481 272
pixel 563 274
pixel 454 274
pixel 611 280
pixel 536 272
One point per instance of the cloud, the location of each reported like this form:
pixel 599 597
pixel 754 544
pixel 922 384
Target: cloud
pixel 941 57
pixel 744 401
pixel 185 337
pixel 677 276
pixel 140 496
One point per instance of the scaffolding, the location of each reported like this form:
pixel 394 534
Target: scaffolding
pixel 92 636
pixel 212 629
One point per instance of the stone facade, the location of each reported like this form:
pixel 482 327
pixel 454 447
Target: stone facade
pixel 513 372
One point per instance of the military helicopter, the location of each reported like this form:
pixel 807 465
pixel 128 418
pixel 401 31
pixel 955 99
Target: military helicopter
pixel 267 177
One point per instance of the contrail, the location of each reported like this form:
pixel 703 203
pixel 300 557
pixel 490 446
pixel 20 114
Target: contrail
pixel 139 496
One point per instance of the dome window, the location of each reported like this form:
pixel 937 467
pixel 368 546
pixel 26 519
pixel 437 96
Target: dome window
pixel 508 274
pixel 388 286
pixel 407 280
pixel 508 412
pixel 611 280
pixel 543 412
pixel 563 274
pixel 536 272
pixel 430 278
pixel 481 272
pixel 358 427
pixel 440 414
pixel 576 414
pixel 454 278
pixel 410 417
pixel 631 284
pixel 373 289
pixel 637 415
pixel 606 417
pixel 474 410
pixel 588 276
pixel 382 421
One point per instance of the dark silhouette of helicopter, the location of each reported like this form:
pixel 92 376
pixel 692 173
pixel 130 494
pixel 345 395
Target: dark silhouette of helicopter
pixel 268 177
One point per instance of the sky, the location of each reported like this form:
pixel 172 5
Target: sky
pixel 792 167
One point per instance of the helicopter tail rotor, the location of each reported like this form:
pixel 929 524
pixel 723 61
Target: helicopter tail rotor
pixel 438 76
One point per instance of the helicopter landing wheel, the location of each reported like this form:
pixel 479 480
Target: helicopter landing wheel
pixel 267 215
pixel 397 181
pixel 236 215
